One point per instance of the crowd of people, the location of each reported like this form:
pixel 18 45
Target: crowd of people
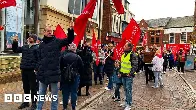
pixel 44 65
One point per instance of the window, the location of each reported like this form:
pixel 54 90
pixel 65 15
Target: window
pixel 76 8
pixel 157 40
pixel 158 33
pixel 152 33
pixel 171 38
pixel 126 4
pixel 152 40
pixel 183 37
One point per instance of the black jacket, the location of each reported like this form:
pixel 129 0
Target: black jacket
pixel 109 64
pixel 29 55
pixel 69 57
pixel 86 77
pixel 49 52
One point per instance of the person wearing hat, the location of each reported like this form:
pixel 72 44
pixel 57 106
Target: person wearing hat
pixel 27 66
pixel 67 85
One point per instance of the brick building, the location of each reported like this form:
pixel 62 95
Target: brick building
pixel 113 23
pixel 167 30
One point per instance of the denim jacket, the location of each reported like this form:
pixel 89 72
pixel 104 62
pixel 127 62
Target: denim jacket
pixel 116 79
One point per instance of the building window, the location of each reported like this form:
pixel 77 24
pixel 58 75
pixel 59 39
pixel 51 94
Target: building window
pixel 152 40
pixel 76 8
pixel 171 38
pixel 126 4
pixel 183 37
pixel 157 40
pixel 158 33
pixel 152 33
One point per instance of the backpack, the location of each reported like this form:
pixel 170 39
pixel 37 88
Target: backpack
pixel 70 73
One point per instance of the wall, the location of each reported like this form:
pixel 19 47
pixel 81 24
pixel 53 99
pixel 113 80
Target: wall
pixel 178 30
pixel 61 5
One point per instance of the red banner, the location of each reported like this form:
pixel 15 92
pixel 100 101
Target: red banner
pixel 119 7
pixel 81 21
pixel 7 3
pixel 176 47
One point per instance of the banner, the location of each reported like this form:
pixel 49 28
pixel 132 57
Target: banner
pixel 189 64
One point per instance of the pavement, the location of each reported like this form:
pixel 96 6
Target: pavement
pixel 176 95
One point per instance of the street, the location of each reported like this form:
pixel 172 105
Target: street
pixel 176 95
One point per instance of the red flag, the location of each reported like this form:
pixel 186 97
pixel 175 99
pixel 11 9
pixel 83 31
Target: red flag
pixel 119 49
pixel 132 33
pixel 119 7
pixel 60 34
pixel 144 42
pixel 81 21
pixel 7 3
pixel 94 44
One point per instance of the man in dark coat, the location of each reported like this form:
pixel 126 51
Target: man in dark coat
pixel 27 66
pixel 165 63
pixel 109 65
pixel 86 77
pixel 70 57
pixel 48 69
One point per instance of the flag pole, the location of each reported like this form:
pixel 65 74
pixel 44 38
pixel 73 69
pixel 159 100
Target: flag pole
pixel 99 27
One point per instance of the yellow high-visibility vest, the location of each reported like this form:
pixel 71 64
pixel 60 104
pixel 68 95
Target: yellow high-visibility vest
pixel 125 64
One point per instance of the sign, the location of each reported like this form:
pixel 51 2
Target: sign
pixel 189 64
pixel 14 18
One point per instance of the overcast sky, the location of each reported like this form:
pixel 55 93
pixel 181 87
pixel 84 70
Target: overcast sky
pixel 152 9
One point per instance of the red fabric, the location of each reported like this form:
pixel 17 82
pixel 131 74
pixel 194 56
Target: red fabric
pixel 60 34
pixel 1 28
pixel 94 43
pixel 81 21
pixel 119 49
pixel 159 55
pixel 144 42
pixel 132 33
pixel 119 7
pixel 94 47
pixel 7 3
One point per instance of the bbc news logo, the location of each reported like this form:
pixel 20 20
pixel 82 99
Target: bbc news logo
pixel 27 97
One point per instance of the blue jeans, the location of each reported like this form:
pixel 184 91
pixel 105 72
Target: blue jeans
pixel 72 89
pixel 42 91
pixel 110 83
pixel 158 78
pixel 127 84
pixel 117 91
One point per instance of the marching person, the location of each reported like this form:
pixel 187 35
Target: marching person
pixel 48 71
pixel 109 65
pixel 171 60
pixel 98 69
pixel 181 58
pixel 71 69
pixel 157 69
pixel 129 65
pixel 27 66
pixel 86 77
pixel 165 63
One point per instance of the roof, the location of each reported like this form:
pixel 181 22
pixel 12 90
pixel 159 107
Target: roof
pixel 161 22
pixel 187 21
